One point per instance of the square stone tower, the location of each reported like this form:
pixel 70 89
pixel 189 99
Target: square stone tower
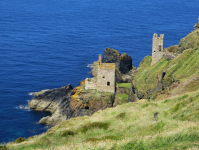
pixel 105 81
pixel 106 77
pixel 157 48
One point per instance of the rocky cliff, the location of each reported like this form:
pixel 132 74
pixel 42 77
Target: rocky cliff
pixel 65 103
pixel 53 101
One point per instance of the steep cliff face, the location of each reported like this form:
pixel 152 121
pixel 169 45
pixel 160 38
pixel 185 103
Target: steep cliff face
pixel 53 101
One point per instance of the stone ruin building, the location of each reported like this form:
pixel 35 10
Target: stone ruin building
pixel 105 81
pixel 158 51
pixel 157 48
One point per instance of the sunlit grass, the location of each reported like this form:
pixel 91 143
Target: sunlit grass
pixel 131 125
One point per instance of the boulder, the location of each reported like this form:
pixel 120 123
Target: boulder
pixel 112 56
pixel 125 63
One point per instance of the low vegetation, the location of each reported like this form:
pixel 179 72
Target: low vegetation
pixel 162 124
pixel 127 85
pixel 150 81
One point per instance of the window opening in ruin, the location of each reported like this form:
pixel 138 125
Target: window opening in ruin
pixel 86 107
pixel 159 47
pixel 108 83
pixel 103 77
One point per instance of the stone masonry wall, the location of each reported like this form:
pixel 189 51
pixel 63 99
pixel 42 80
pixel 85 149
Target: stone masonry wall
pixel 156 57
pixel 157 48
pixel 90 83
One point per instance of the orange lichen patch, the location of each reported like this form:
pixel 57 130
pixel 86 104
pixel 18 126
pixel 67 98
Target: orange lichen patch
pixel 75 97
pixel 107 65
pixel 91 103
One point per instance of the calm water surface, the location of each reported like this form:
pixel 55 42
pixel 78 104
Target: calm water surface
pixel 48 44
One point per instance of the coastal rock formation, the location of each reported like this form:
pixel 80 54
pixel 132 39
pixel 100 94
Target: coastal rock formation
pixel 52 101
pixel 123 63
pixel 66 102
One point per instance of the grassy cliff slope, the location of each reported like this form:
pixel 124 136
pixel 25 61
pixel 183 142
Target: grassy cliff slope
pixel 184 69
pixel 167 124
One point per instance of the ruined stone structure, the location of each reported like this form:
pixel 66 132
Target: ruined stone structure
pixel 157 48
pixel 90 83
pixel 158 51
pixel 105 81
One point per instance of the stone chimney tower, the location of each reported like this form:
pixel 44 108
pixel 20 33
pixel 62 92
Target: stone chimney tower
pixel 100 59
pixel 157 48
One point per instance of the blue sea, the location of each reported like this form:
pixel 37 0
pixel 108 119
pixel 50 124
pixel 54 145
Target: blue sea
pixel 48 44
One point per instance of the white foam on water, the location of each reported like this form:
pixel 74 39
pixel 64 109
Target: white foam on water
pixel 31 93
pixel 89 65
pixel 23 107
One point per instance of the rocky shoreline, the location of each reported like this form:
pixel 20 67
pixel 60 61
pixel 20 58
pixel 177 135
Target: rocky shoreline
pixel 68 102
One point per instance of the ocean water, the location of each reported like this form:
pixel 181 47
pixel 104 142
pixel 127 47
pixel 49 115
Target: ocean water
pixel 48 44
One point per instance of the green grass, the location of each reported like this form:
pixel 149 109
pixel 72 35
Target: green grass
pixel 182 68
pixel 93 125
pixel 127 126
pixel 127 85
pixel 123 96
pixel 191 40
pixel 121 99
pixel 147 78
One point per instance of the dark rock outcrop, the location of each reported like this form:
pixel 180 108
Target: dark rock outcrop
pixel 132 97
pixel 112 56
pixel 125 63
pixel 122 62
pixel 52 101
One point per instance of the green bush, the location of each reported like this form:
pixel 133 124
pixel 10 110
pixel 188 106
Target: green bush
pixel 121 115
pixel 94 125
pixel 20 139
pixel 3 147
pixel 146 105
pixel 67 133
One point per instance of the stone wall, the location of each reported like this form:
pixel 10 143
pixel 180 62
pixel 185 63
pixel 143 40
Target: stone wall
pixel 106 77
pixel 90 83
pixel 156 57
